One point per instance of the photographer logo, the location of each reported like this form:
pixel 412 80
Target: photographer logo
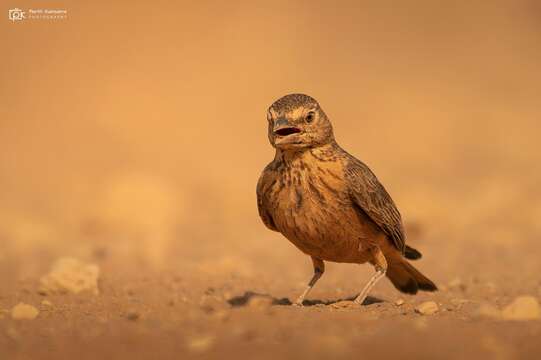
pixel 16 14
pixel 37 14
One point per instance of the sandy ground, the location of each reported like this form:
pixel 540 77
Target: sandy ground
pixel 241 307
pixel 132 135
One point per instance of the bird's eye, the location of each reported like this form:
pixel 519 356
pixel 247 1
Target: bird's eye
pixel 310 117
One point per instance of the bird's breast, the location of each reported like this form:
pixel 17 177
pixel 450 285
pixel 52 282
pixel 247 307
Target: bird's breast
pixel 311 207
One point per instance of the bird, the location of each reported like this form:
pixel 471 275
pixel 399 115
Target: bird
pixel 328 203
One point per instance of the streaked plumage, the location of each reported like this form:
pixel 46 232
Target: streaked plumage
pixel 328 203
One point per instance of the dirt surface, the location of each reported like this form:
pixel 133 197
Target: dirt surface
pixel 242 308
pixel 132 137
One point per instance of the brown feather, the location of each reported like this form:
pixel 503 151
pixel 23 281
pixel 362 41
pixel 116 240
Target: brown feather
pixel 372 198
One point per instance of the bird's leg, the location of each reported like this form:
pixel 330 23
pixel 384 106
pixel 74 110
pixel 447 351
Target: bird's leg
pixel 319 269
pixel 380 263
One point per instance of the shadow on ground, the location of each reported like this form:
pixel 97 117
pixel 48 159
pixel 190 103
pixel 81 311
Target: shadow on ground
pixel 243 300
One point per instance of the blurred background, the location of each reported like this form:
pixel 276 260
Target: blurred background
pixel 133 133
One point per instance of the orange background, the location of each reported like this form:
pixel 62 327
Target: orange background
pixel 138 128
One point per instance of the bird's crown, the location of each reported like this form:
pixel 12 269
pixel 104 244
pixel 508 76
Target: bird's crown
pixel 291 102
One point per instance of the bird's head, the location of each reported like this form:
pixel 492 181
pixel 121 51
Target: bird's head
pixel 296 121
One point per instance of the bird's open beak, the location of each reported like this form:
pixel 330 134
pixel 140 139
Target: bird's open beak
pixel 282 127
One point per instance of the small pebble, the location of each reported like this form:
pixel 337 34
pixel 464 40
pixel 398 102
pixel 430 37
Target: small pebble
pixel 427 308
pixel 522 308
pixel 457 284
pixel 69 275
pixel 458 303
pixel 23 311
pixel 345 304
pixel 399 302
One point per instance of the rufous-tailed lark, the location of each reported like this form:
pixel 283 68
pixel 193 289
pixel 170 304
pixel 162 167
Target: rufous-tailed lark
pixel 328 203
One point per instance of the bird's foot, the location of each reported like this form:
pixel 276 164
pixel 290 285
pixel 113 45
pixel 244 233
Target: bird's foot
pixel 360 299
pixel 299 302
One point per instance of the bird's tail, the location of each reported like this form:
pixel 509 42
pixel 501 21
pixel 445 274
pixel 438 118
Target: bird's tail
pixel 412 254
pixel 406 278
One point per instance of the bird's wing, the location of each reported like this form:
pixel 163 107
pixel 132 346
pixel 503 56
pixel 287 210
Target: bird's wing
pixel 266 181
pixel 372 198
